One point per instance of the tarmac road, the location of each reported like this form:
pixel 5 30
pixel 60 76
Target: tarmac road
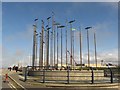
pixel 6 85
pixel 30 86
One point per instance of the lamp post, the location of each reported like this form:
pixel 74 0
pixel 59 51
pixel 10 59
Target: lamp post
pixel 54 41
pixel 87 28
pixel 40 51
pixel 51 53
pixel 95 48
pixel 66 43
pixel 47 43
pixel 73 46
pixel 34 44
pixel 80 33
pixel 61 43
pixel 36 49
pixel 47 53
pixel 71 40
pixel 57 24
pixel 41 46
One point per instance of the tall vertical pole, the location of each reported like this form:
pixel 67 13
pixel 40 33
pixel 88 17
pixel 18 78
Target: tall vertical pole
pixel 36 50
pixel 73 49
pixel 54 44
pixel 47 44
pixel 71 62
pixel 34 42
pixel 61 48
pixel 66 44
pixel 51 49
pixel 44 51
pixel 80 48
pixel 57 46
pixel 88 48
pixel 51 54
pixel 95 49
pixel 61 44
pixel 57 24
pixel 41 52
pixel 88 45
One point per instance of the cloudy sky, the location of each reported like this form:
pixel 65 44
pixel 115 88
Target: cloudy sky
pixel 17 30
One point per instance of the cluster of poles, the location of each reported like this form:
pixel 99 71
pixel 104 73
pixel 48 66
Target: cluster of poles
pixel 48 48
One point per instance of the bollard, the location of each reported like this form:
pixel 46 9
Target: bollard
pixel 111 76
pixel 92 75
pixel 25 74
pixel 43 75
pixel 68 76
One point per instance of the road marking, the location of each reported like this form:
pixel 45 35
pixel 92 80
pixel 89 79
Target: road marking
pixel 17 83
pixel 12 86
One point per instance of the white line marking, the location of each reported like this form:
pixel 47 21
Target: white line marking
pixel 13 86
pixel 10 86
pixel 17 83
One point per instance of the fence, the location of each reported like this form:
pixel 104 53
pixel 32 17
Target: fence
pixel 71 76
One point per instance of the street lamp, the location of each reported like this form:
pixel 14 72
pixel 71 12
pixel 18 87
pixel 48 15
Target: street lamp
pixel 34 44
pixel 95 48
pixel 66 43
pixel 57 24
pixel 51 51
pixel 87 28
pixel 71 40
pixel 41 45
pixel 47 53
pixel 80 33
pixel 36 49
pixel 47 43
pixel 61 42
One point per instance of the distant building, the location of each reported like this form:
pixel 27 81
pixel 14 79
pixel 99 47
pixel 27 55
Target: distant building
pixel 101 65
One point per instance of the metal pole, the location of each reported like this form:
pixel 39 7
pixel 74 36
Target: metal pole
pixel 71 41
pixel 42 42
pixel 41 53
pixel 88 45
pixel 71 44
pixel 51 54
pixel 61 43
pixel 61 48
pixel 54 43
pixel 95 49
pixel 73 50
pixel 51 51
pixel 57 24
pixel 36 50
pixel 47 49
pixel 34 41
pixel 57 46
pixel 80 48
pixel 66 44
pixel 88 48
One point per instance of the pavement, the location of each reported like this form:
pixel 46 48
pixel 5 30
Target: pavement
pixel 32 84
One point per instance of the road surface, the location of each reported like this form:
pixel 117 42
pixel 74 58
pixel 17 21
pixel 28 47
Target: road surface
pixel 40 86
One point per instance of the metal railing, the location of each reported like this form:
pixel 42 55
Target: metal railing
pixel 69 76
